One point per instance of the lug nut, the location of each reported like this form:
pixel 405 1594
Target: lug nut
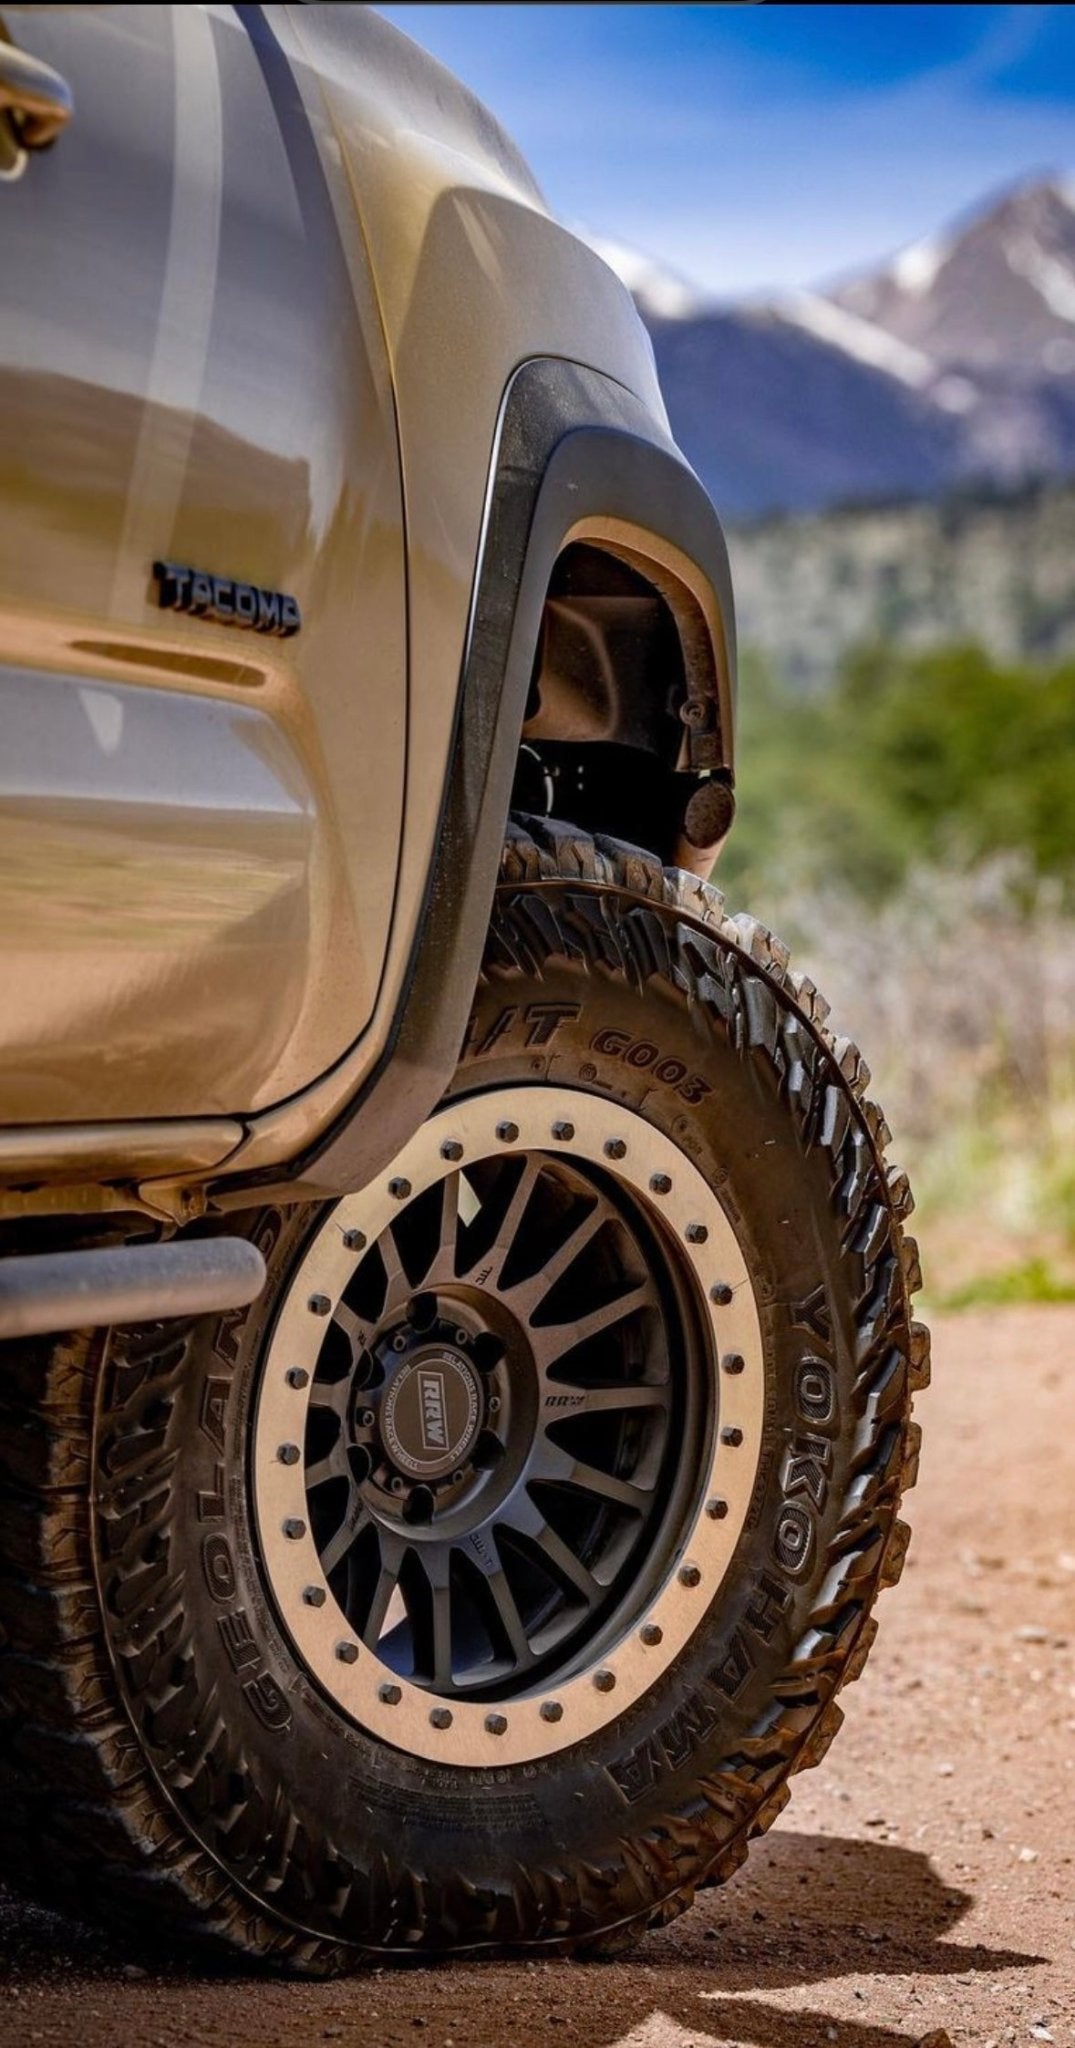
pixel 319 1305
pixel 721 1294
pixel 563 1132
pixel 731 1436
pixel 314 1596
pixel 294 1529
pixel 366 1419
pixel 354 1240
pixel 494 1404
pixel 347 1653
pixel 440 1718
pixel 604 1680
pixel 462 1336
pixel 689 1575
pixel 551 1710
pixel 615 1149
pixel 733 1361
pixel 451 1149
pixel 496 1724
pixel 651 1635
pixel 507 1133
pixel 399 1341
pixel 696 1233
pixel 389 1695
pixel 399 1189
pixel 289 1454
pixel 297 1377
pixel 458 1478
pixel 716 1510
pixel 397 1484
pixel 660 1184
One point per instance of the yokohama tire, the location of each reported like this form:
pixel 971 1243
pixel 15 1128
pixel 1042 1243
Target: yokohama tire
pixel 167 1754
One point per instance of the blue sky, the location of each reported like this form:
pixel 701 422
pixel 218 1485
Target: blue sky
pixel 753 147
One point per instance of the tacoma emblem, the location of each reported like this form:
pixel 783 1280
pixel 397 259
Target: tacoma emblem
pixel 223 599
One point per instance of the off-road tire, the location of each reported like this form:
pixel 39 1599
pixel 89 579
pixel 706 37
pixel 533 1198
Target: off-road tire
pixel 165 1757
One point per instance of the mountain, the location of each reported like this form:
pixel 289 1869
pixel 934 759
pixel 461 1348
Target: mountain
pixel 954 363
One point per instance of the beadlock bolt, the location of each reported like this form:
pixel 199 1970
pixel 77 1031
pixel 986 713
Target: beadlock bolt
pixel 733 1362
pixel 496 1724
pixel 563 1132
pixel 689 1575
pixel 551 1710
pixel 313 1596
pixel 294 1529
pixel 716 1510
pixel 389 1695
pixel 651 1635
pixel 734 1437
pixel 440 1718
pixel 296 1376
pixel 696 1233
pixel 354 1240
pixel 507 1133
pixel 451 1149
pixel 289 1454
pixel 319 1305
pixel 615 1149
pixel 604 1680
pixel 399 1189
pixel 660 1184
pixel 347 1653
pixel 721 1294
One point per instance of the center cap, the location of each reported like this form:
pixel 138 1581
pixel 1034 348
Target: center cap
pixel 430 1414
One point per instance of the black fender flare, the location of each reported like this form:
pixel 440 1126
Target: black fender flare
pixel 572 446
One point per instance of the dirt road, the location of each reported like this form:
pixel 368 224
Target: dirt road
pixel 922 1879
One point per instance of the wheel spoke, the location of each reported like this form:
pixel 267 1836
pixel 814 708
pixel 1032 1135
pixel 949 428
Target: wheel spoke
pixel 357 1332
pixel 332 1466
pixel 551 1340
pixel 391 1557
pixel 559 1262
pixel 442 1262
pixel 355 1520
pixel 559 1467
pixel 599 1400
pixel 503 1599
pixel 527 1521
pixel 397 1286
pixel 507 1231
pixel 332 1395
pixel 435 1569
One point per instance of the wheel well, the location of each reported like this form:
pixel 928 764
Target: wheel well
pixel 609 738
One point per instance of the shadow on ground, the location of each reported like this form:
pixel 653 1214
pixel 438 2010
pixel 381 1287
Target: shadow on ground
pixel 811 1908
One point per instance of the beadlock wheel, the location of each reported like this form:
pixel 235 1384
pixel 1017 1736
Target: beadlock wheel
pixel 509 1427
pixel 483 1585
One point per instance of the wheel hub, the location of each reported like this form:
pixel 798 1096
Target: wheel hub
pixel 498 1470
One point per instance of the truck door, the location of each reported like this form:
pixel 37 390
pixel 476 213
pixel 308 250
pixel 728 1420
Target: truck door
pixel 200 806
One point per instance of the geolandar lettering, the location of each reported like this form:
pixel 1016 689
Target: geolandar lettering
pixel 226 601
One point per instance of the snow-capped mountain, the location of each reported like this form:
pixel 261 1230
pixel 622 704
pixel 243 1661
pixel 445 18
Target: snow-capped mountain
pixel 954 362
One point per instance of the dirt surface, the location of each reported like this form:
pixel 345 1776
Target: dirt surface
pixel 922 1879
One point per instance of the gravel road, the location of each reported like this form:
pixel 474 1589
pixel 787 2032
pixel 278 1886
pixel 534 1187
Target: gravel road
pixel 920 1887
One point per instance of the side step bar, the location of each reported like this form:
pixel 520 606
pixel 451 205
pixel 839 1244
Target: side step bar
pixel 127 1284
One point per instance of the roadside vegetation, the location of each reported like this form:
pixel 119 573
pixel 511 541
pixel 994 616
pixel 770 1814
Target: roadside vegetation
pixel 911 833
